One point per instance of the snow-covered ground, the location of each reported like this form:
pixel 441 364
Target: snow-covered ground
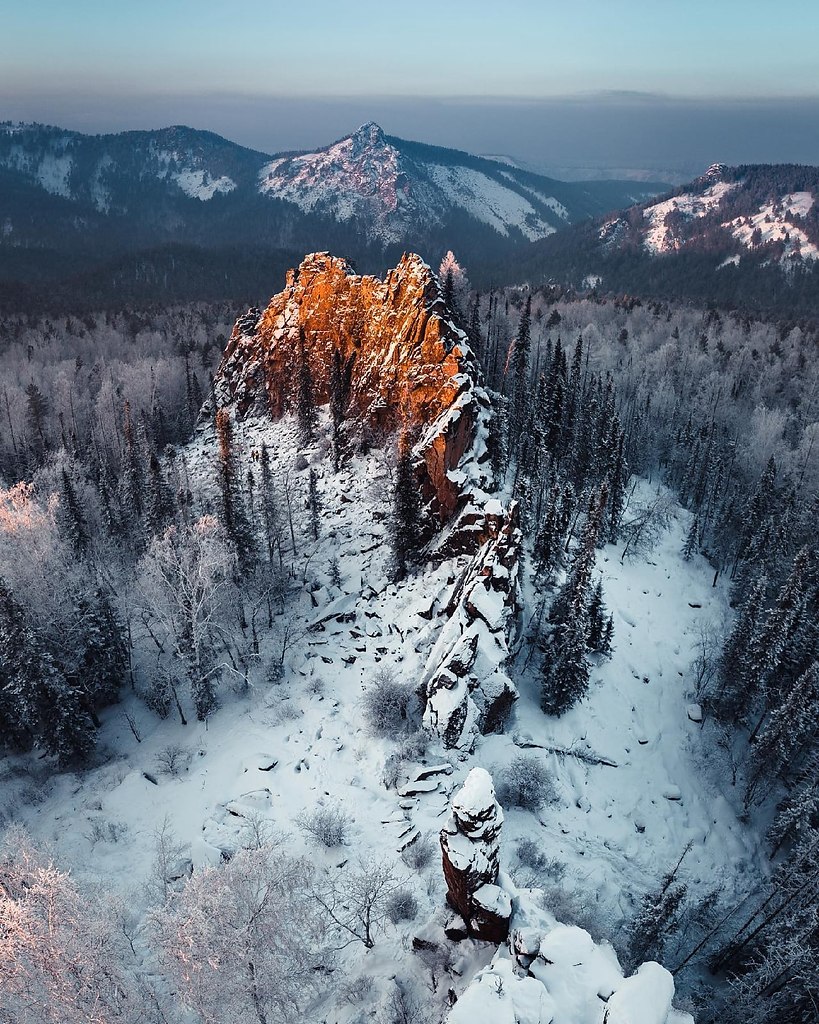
pixel 658 237
pixel 775 224
pixel 301 742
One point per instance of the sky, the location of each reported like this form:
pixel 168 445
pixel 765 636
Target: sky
pixel 655 84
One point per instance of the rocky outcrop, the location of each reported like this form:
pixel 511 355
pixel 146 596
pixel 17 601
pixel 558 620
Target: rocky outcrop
pixel 470 844
pixel 465 685
pixel 550 971
pixel 410 366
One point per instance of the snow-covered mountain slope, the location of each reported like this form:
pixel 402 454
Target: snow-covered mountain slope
pixel 368 178
pixel 365 193
pixel 757 225
pixel 101 169
pixel 394 188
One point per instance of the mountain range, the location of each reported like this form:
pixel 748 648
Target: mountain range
pixel 139 211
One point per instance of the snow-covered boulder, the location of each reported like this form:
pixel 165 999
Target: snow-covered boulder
pixel 470 843
pixel 553 973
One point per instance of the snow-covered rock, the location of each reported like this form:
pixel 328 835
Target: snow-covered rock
pixel 466 686
pixel 470 842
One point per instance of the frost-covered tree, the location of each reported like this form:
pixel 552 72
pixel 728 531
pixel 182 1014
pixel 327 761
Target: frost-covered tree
pixel 183 578
pixel 64 961
pixel 243 942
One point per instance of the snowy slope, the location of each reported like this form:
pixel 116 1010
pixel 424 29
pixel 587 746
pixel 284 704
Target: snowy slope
pixel 367 176
pixel 300 742
pixel 775 222
pixel 659 237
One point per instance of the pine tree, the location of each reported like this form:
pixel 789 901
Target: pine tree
pixel 788 728
pixel 656 920
pixel 575 591
pixel 270 514
pixel 618 481
pixel 520 374
pixel 341 377
pixel 132 483
pixel 406 516
pixel 734 694
pixel 548 547
pixel 691 545
pixel 598 619
pixel 313 503
pixel 159 506
pixel 234 513
pixel 306 397
pixel 71 517
pixel 769 647
pixel 565 675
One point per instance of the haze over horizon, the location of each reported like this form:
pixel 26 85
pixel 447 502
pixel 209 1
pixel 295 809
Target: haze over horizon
pixel 645 86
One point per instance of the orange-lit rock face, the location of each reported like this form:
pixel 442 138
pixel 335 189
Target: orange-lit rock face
pixel 411 365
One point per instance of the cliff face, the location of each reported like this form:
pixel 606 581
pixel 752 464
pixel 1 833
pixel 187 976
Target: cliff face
pixel 410 365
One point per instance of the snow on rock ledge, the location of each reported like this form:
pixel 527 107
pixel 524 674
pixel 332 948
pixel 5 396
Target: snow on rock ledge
pixel 552 973
pixel 470 843
pixel 465 685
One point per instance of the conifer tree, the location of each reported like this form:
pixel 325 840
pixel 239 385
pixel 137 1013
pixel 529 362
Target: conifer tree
pixel 132 483
pixel 789 727
pixel 313 503
pixel 734 694
pixel 234 513
pixel 341 376
pixel 269 507
pixel 306 396
pixel 656 919
pixel 406 514
pixel 598 620
pixel 71 517
pixel 565 676
pixel 159 507
pixel 520 374
pixel 691 545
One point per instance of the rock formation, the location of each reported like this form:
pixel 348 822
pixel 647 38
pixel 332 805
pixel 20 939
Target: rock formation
pixel 465 685
pixel 470 843
pixel 556 972
pixel 411 366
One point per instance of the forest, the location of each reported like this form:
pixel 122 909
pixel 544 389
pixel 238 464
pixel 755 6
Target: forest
pixel 125 567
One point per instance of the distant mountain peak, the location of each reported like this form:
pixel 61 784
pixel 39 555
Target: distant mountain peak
pixel 370 134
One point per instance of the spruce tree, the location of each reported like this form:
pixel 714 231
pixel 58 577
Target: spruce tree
pixel 306 397
pixel 71 517
pixel 341 376
pixel 269 507
pixel 734 693
pixel 234 512
pixel 406 514
pixel 313 503
pixel 565 674
pixel 520 375
pixel 159 506
pixel 598 619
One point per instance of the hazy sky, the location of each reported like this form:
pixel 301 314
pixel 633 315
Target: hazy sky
pixel 654 83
